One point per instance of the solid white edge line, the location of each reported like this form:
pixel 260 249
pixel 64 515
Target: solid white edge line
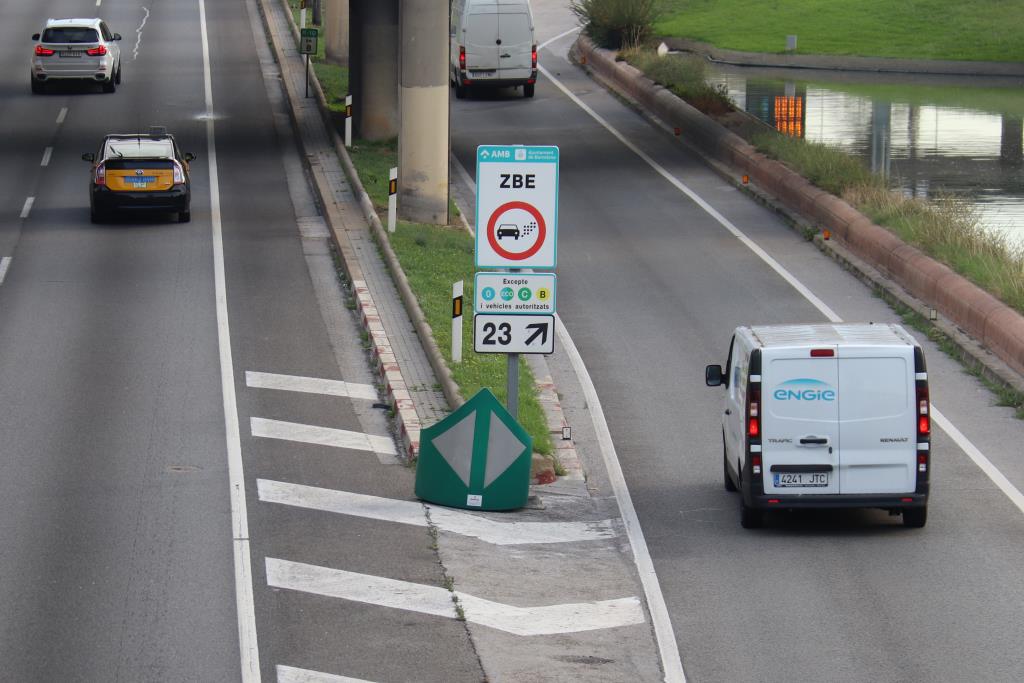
pixel 997 477
pixel 27 207
pixel 990 470
pixel 561 35
pixel 670 659
pixel 5 263
pixel 47 153
pixel 61 115
pixel 247 641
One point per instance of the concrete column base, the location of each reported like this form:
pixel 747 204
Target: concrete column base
pixel 423 155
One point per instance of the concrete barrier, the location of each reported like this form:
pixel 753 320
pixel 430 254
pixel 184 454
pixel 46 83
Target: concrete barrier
pixel 982 316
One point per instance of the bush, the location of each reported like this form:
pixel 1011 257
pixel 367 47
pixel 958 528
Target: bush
pixel 615 24
pixel 685 76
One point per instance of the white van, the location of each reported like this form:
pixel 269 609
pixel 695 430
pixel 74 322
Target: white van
pixel 825 416
pixel 492 45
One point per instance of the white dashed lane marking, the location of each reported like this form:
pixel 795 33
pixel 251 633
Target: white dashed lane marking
pixel 47 153
pixel 27 207
pixel 5 263
pixel 310 385
pixel 437 601
pixel 62 115
pixel 412 512
pixel 324 436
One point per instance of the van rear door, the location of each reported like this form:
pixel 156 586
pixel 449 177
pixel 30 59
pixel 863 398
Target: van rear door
pixel 482 44
pixel 877 420
pixel 516 54
pixel 800 426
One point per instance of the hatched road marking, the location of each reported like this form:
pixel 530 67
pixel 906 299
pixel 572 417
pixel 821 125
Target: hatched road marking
pixel 323 436
pixel 412 512
pixel 437 601
pixel 310 385
pixel 290 674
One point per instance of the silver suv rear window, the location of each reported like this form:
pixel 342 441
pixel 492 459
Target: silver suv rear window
pixel 70 34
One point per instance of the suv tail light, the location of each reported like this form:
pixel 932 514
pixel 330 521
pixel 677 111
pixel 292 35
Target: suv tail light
pixel 179 174
pixel 99 176
pixel 43 51
pixel 97 51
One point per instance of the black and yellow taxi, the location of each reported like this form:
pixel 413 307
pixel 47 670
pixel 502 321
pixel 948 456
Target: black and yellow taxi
pixel 140 172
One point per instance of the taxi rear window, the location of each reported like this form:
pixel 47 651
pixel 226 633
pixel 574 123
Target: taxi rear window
pixel 70 34
pixel 115 163
pixel 138 148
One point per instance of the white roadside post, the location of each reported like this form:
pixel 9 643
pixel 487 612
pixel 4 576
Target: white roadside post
pixel 393 201
pixel 302 14
pixel 348 121
pixel 457 322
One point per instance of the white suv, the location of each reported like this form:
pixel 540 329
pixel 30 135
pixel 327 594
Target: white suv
pixel 79 49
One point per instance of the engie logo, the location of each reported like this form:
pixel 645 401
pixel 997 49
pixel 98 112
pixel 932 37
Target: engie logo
pixel 804 390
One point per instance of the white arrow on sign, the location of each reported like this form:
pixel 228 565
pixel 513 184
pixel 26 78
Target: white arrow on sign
pixel 504 333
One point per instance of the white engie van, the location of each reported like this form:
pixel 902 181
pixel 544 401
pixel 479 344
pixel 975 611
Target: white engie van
pixel 825 416
pixel 492 45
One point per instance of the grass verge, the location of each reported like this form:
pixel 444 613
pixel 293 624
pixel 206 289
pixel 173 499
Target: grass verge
pixel 974 30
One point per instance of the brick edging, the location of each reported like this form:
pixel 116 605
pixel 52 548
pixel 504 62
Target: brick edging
pixel 997 326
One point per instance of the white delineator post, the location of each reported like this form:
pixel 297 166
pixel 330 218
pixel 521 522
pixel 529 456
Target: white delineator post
pixel 457 322
pixel 348 121
pixel 302 16
pixel 392 198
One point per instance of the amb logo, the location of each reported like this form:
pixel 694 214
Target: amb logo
pixel 804 389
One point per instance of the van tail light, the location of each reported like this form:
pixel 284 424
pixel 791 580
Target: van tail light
pixel 754 412
pixel 97 51
pixel 924 421
pixel 755 463
pixel 179 174
pixel 462 58
pixel 99 176
pixel 43 51
pixel 533 57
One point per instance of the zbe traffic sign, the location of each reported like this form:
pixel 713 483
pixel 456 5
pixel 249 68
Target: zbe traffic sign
pixel 516 206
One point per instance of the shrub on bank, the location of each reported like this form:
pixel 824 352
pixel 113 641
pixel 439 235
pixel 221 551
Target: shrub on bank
pixel 684 75
pixel 616 24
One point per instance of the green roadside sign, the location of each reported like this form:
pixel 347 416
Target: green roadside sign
pixel 477 458
pixel 307 41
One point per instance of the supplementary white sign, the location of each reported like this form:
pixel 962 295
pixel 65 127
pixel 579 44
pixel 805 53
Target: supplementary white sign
pixel 516 206
pixel 510 333
pixel 516 293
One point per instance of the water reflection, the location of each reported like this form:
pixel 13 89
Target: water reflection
pixel 930 134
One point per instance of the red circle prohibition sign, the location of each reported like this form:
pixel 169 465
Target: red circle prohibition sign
pixel 493 240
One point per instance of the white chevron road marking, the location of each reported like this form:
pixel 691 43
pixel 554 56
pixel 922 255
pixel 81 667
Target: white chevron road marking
pixel 437 601
pixel 383 446
pixel 412 512
pixel 310 385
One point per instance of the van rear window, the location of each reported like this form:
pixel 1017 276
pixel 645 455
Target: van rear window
pixel 70 34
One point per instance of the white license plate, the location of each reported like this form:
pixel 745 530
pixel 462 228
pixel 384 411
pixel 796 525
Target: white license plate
pixel 482 74
pixel 70 53
pixel 800 479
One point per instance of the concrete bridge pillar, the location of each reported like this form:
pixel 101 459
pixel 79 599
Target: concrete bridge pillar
pixel 373 68
pixel 336 31
pixel 1011 144
pixel 423 143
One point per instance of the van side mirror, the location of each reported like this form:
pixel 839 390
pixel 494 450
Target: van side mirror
pixel 189 156
pixel 88 156
pixel 713 376
pixel 35 36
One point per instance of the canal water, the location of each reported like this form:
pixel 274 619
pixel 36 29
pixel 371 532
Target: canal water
pixel 930 134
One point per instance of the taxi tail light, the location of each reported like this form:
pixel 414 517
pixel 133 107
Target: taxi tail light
pixel 533 57
pixel 179 174
pixel 43 51
pixel 754 412
pixel 462 58
pixel 99 176
pixel 97 51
